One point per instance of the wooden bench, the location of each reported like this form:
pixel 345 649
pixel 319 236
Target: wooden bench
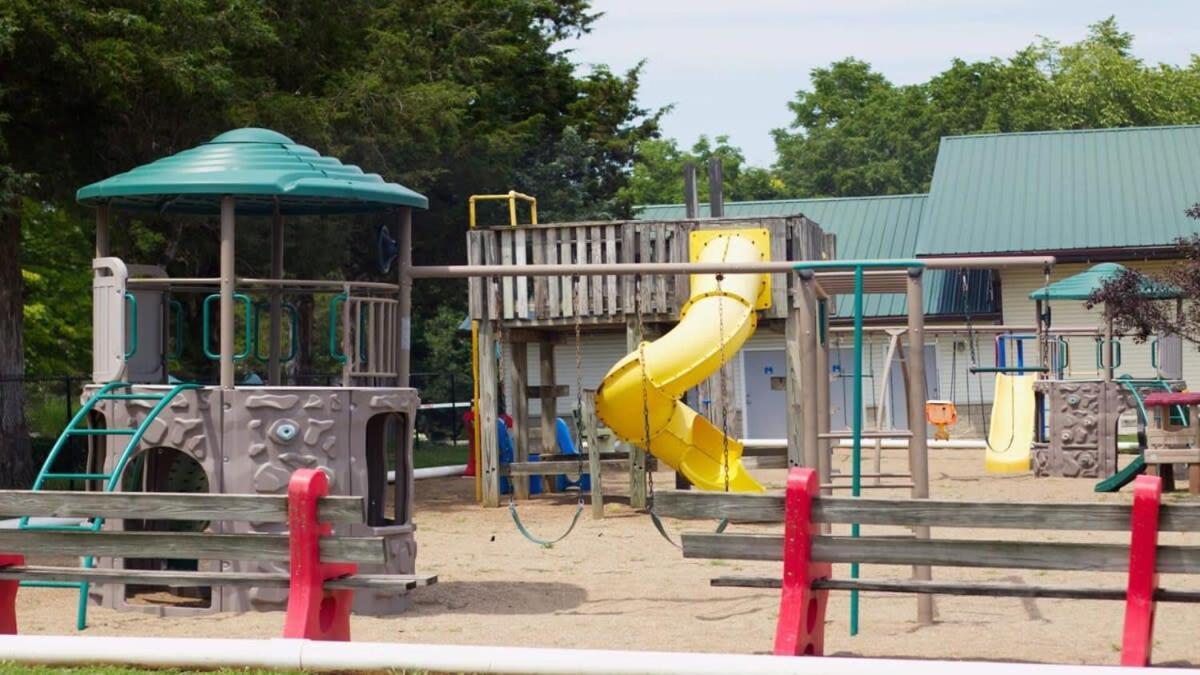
pixel 807 553
pixel 322 576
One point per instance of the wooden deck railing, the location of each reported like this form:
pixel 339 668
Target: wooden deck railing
pixel 549 301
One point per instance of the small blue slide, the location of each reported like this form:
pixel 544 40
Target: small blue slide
pixel 566 446
pixel 507 454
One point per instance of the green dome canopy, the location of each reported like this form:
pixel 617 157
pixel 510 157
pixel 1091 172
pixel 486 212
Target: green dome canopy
pixel 259 168
pixel 1081 286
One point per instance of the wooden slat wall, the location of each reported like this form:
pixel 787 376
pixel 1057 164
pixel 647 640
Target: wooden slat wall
pixel 596 282
pixel 541 289
pixel 611 297
pixel 555 283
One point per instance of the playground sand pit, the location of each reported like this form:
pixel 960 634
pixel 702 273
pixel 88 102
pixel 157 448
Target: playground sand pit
pixel 616 584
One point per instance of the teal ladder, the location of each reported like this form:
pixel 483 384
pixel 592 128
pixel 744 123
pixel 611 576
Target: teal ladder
pixel 111 480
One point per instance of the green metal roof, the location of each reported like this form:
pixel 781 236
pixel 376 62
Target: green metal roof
pixel 1062 190
pixel 258 167
pixel 1081 286
pixel 866 228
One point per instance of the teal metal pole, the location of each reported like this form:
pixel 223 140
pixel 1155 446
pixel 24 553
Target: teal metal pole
pixel 856 459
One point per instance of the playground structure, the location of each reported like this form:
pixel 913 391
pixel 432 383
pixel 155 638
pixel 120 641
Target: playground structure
pixel 148 432
pixel 1076 422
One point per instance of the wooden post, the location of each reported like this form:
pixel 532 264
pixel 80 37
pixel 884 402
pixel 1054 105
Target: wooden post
pixel 821 382
pixel 637 454
pixel 918 450
pixel 588 419
pixel 520 412
pixel 228 284
pixel 489 465
pixel 691 201
pixel 275 334
pixel 549 402
pixel 404 298
pixel 802 346
pixel 716 189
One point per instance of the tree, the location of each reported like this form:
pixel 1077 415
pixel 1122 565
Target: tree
pixel 1124 297
pixel 657 176
pixel 450 98
pixel 856 133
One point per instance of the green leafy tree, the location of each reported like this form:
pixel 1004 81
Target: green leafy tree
pixel 450 98
pixel 657 176
pixel 856 133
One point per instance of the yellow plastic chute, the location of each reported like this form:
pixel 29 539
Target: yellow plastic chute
pixel 644 388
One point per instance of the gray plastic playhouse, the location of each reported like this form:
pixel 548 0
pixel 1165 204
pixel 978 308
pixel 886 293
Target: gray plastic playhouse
pixel 146 430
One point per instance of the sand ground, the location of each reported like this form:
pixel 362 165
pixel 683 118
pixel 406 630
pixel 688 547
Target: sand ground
pixel 615 583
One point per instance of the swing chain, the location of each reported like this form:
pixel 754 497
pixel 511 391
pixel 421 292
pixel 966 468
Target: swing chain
pixel 723 378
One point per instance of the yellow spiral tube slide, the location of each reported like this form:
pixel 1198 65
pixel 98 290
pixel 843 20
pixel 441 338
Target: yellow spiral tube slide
pixel 643 389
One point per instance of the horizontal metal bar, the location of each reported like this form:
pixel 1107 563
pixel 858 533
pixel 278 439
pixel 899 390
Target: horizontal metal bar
pixel 630 269
pixel 248 282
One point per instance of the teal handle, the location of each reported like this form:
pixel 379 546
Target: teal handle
pixel 177 349
pixel 1154 353
pixel 293 319
pixel 131 300
pixel 334 351
pixel 1064 354
pixel 206 315
pixel 1100 353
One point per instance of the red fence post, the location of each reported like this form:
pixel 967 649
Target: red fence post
pixel 800 630
pixel 1143 577
pixel 313 613
pixel 8 595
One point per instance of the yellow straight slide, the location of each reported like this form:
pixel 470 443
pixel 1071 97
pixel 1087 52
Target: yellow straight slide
pixel 639 398
pixel 1010 435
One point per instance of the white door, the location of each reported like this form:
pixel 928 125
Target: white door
pixel 766 393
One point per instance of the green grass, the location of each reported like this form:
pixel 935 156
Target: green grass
pixel 428 453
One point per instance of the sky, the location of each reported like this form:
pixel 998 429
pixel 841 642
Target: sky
pixel 731 66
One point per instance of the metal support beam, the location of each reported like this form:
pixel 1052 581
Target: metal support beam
pixel 274 366
pixel 228 287
pixel 404 298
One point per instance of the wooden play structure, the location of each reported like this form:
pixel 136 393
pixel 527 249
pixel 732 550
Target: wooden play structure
pixel 321 570
pixel 807 550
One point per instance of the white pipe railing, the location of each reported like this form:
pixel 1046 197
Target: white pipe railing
pixel 371 656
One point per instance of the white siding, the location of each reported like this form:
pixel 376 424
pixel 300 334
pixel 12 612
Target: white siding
pixel 598 353
pixel 1017 284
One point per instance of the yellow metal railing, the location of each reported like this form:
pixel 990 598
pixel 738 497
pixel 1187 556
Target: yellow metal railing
pixel 512 196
